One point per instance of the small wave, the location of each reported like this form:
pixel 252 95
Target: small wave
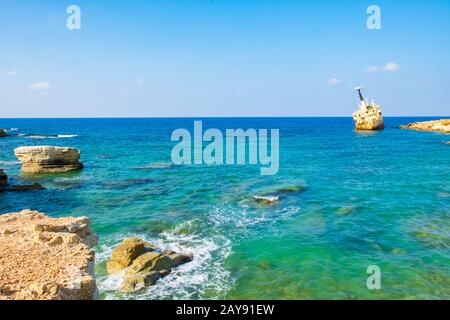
pixel 59 136
pixel 9 163
pixel 67 135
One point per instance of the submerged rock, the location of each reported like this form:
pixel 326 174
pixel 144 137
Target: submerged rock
pixel 48 159
pixel 291 189
pixel 29 187
pixel 45 258
pixel 142 263
pixel 3 178
pixel 442 125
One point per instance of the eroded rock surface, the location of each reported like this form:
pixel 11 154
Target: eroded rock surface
pixel 142 263
pixel 48 159
pixel 442 125
pixel 44 258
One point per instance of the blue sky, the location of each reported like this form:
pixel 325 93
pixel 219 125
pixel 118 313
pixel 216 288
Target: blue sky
pixel 222 58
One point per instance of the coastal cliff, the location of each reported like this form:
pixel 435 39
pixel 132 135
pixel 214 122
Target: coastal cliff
pixel 442 125
pixel 44 258
pixel 48 159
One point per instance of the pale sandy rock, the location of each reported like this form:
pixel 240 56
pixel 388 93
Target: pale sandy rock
pixel 368 118
pixel 126 252
pixel 3 178
pixel 442 125
pixel 48 159
pixel 44 258
pixel 142 263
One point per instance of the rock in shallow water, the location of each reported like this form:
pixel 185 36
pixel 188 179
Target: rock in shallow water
pixel 3 133
pixel 48 159
pixel 142 263
pixel 45 258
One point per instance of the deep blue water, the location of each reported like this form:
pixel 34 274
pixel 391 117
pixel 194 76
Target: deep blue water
pixel 363 198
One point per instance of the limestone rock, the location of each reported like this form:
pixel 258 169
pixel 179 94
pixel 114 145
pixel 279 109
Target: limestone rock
pixel 43 258
pixel 139 281
pixel 3 133
pixel 142 263
pixel 126 252
pixel 48 159
pixel 442 125
pixel 368 118
pixel 3 178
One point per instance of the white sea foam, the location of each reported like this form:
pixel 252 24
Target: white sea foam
pixel 188 281
pixel 9 163
pixel 67 135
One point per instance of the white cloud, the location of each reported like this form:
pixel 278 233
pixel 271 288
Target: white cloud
pixel 334 81
pixel 372 69
pixel 10 73
pixel 390 67
pixel 39 86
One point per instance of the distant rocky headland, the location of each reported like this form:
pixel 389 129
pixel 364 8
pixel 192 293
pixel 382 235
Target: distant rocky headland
pixel 442 125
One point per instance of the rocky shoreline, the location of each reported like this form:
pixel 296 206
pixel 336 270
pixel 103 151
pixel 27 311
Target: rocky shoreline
pixel 442 125
pixel 44 258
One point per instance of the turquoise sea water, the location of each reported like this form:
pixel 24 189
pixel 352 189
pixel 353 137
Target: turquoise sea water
pixel 357 199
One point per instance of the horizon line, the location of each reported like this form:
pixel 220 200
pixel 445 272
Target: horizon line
pixel 215 117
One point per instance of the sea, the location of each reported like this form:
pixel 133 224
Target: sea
pixel 347 201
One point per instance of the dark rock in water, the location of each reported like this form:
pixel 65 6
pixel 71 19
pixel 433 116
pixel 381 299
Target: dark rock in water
pixel 35 186
pixel 291 189
pixel 3 178
pixel 156 226
pixel 3 133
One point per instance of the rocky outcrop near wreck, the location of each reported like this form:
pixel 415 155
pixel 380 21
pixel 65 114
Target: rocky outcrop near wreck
pixel 48 159
pixel 442 125
pixel 142 264
pixel 44 258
